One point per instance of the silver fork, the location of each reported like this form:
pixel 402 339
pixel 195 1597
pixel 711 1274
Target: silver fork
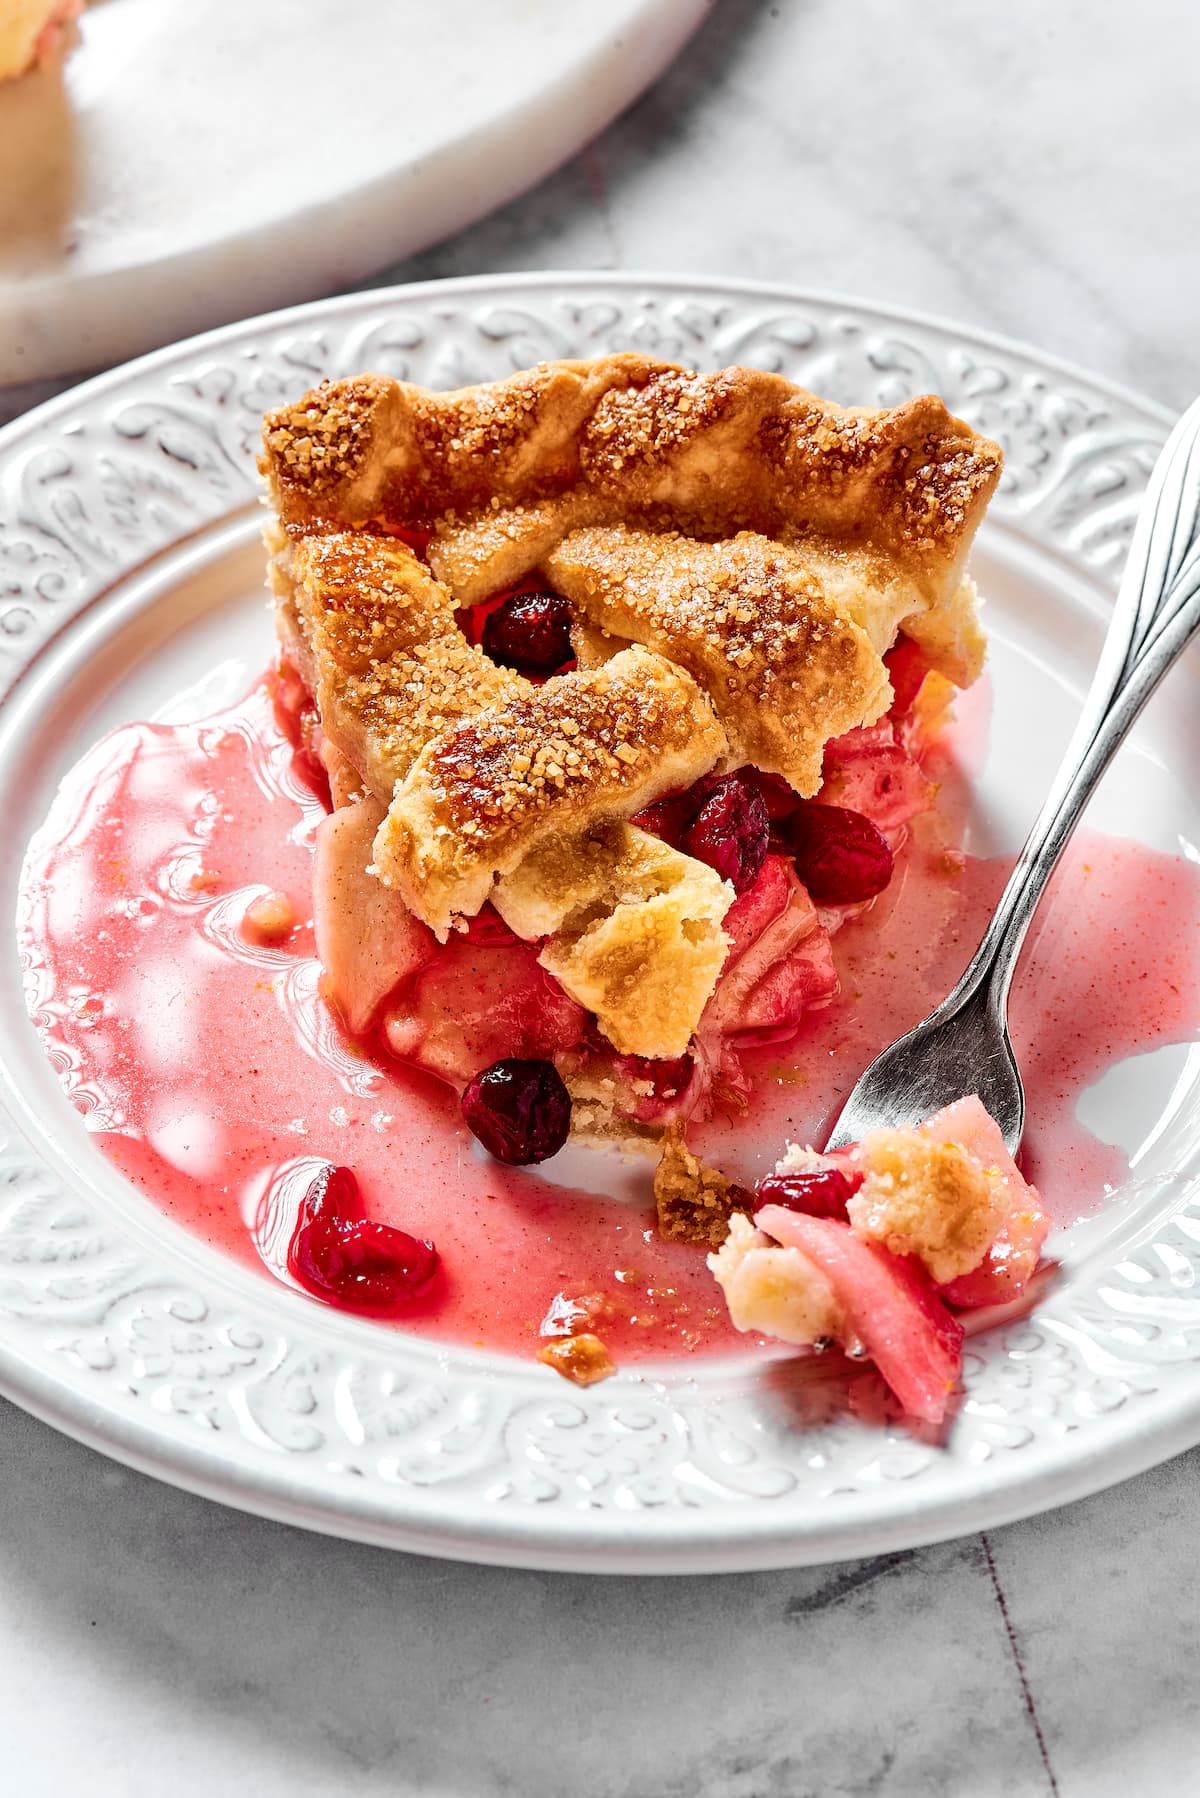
pixel 964 1047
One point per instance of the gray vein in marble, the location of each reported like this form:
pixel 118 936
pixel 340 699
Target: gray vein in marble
pixel 1018 1662
pixel 842 1585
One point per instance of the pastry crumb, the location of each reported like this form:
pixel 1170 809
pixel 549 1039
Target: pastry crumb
pixel 581 1359
pixel 776 1291
pixel 269 919
pixel 695 1203
pixel 928 1198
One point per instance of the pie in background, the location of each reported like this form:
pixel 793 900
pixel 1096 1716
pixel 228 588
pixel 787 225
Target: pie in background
pixel 31 31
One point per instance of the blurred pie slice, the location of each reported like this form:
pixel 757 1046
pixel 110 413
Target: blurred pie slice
pixel 31 31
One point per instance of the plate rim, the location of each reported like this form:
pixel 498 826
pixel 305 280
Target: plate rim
pixel 335 304
pixel 666 1541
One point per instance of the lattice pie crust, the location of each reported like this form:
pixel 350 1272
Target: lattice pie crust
pixel 739 556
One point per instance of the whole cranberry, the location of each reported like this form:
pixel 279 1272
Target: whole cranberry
pixel 840 856
pixel 779 798
pixel 731 831
pixel 530 632
pixel 823 1192
pixel 519 1110
pixel 667 818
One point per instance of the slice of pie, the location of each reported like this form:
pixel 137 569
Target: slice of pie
pixel 611 667
pixel 31 31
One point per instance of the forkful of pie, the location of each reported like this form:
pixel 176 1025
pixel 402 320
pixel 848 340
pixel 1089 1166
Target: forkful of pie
pixel 920 1160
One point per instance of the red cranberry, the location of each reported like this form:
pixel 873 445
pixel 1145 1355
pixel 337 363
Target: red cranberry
pixel 780 799
pixel 821 1193
pixel 667 818
pixel 519 1110
pixel 530 632
pixel 840 856
pixel 668 1078
pixel 417 541
pixel 731 832
pixel 336 1253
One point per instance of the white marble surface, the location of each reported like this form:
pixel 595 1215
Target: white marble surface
pixel 1027 168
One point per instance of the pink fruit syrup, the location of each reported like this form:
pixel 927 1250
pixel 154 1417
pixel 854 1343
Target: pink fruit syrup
pixel 202 1058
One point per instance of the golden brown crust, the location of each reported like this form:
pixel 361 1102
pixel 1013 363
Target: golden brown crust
pixel 759 545
pixel 635 928
pixel 785 667
pixel 548 762
pixel 373 447
pixel 322 448
pixel 389 667
pixel 695 1202
pixel 501 471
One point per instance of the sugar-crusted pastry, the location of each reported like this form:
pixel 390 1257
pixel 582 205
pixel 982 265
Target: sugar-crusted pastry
pixel 738 558
pixel 500 473
pixel 374 637
pixel 785 665
pixel 546 763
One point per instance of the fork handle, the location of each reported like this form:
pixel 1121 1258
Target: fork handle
pixel 1155 617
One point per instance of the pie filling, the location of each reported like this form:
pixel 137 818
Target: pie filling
pixel 867 1249
pixel 758 961
pixel 616 677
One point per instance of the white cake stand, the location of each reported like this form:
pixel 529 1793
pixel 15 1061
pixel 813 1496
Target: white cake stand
pixel 192 164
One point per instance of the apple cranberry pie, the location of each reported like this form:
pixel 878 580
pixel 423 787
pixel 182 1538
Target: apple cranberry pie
pixel 616 672
pixel 33 30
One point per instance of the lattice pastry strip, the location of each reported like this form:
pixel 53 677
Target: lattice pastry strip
pixel 634 928
pixel 501 472
pixel 550 763
pixel 785 667
pixel 381 650
pixel 375 637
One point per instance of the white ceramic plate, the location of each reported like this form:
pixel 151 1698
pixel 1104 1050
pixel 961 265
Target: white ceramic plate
pixel 129 564
pixel 190 164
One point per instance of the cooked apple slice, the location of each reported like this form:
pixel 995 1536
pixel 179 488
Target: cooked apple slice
pixel 368 941
pixel 481 1001
pixel 887 1302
